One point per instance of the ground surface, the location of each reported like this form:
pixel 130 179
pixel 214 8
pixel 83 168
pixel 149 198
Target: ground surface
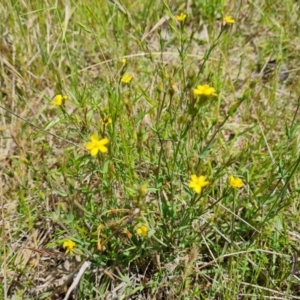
pixel 132 213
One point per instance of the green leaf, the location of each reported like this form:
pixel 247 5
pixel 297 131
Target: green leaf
pixel 84 27
pixel 233 109
pixel 105 167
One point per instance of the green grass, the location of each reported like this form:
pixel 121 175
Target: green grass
pixel 224 243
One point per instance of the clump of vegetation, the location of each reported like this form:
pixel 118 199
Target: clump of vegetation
pixel 144 155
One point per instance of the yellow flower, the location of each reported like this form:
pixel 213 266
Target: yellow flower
pixel 123 61
pixel 97 145
pixel 142 230
pixel 181 17
pixel 143 190
pixel 235 182
pixel 58 100
pixel 69 245
pixel 106 121
pixel 205 90
pixel 126 78
pixel 197 183
pixel 228 20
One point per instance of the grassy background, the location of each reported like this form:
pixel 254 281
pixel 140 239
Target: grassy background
pixel 225 243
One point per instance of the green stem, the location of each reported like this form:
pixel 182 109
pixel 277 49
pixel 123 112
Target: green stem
pixel 233 216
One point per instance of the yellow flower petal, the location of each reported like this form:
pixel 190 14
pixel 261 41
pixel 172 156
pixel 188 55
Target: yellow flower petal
pixel 94 138
pixel 197 183
pixel 69 245
pixel 142 230
pixel 103 149
pixel 94 151
pixel 194 178
pixel 97 145
pixel 205 90
pixel 235 182
pixel 126 78
pixel 181 17
pixel 197 189
pixel 228 20
pixel 89 146
pixel 58 100
pixel 104 141
pixel 106 121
